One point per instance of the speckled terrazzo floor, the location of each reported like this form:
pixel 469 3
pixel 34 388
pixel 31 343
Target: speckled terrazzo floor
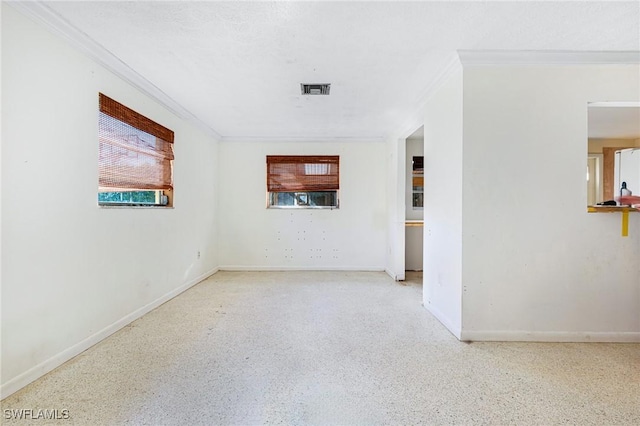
pixel 335 348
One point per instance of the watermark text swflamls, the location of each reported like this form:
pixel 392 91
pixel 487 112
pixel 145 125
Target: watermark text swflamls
pixel 36 414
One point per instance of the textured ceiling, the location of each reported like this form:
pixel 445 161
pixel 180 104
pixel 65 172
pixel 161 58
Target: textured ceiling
pixel 237 66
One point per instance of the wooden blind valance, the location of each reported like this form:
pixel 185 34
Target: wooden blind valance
pixel 290 173
pixel 120 112
pixel 135 153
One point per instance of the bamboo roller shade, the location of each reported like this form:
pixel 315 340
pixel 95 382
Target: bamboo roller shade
pixel 135 153
pixel 288 173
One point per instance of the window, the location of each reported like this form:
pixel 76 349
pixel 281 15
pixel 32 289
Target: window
pixel 135 165
pixel 303 181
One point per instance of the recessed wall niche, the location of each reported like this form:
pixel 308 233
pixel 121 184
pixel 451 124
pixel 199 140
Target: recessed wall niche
pixel 613 154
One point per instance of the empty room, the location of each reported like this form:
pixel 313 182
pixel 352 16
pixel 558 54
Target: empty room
pixel 320 213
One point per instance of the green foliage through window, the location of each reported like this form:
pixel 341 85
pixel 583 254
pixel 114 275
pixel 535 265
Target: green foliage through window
pixel 127 197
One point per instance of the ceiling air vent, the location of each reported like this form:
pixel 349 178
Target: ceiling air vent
pixel 315 89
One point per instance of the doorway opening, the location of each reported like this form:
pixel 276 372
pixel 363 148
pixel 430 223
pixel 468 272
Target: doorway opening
pixel 414 201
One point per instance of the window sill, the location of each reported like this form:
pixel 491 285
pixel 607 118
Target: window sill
pixel 302 208
pixel 610 209
pixel 135 207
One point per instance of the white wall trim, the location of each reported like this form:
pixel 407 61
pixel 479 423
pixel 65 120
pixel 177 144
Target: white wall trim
pixel 55 23
pixel 416 120
pixel 45 367
pixel 444 320
pixel 614 104
pixel 550 336
pixel 394 276
pixel 244 268
pixel 470 58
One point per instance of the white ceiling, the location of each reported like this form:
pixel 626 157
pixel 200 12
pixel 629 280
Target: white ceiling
pixel 237 66
pixel 614 122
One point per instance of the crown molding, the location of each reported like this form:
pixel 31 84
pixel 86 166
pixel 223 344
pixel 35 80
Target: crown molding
pixel 614 104
pixel 59 26
pixel 416 120
pixel 470 58
pixel 294 139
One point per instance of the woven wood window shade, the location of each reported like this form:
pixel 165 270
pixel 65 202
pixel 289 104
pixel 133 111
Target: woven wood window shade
pixel 290 173
pixel 135 153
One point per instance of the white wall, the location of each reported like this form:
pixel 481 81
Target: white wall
pixel 72 272
pixel 536 265
pixel 351 237
pixel 413 234
pixel 442 276
pixel 595 145
pixel 395 187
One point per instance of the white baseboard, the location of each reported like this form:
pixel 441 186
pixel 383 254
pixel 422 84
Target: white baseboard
pixel 241 268
pixel 445 320
pixel 45 367
pixel 550 336
pixel 396 277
